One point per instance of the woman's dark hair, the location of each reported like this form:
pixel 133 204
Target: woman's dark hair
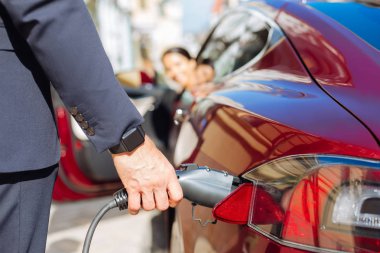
pixel 177 50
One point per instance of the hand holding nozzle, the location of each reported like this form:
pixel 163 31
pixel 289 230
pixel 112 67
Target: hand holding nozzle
pixel 149 178
pixel 200 185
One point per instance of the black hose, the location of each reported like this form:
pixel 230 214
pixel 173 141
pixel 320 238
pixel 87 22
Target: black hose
pixel 94 223
pixel 120 199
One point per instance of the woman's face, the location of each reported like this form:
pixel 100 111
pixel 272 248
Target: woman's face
pixel 178 68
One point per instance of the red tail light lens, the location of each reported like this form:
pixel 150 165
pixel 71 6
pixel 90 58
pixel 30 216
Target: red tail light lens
pixel 317 203
pixel 235 208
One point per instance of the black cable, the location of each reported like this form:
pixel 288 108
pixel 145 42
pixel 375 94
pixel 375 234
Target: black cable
pixel 94 223
pixel 120 200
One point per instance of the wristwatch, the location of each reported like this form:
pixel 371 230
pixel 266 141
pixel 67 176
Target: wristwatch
pixel 129 141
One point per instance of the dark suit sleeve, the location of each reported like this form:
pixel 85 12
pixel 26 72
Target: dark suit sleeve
pixel 64 40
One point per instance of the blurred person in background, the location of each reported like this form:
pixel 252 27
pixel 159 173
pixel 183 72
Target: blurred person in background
pixel 45 42
pixel 180 67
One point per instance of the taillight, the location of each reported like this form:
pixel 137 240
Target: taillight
pixel 236 206
pixel 312 202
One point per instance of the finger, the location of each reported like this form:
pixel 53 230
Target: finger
pixel 148 201
pixel 134 203
pixel 162 201
pixel 175 193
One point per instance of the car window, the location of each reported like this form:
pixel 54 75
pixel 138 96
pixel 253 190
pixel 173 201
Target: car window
pixel 236 40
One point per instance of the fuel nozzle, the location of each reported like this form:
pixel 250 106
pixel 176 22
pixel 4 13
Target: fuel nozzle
pixel 205 186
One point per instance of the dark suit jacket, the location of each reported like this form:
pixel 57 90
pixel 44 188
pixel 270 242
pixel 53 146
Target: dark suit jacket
pixel 54 41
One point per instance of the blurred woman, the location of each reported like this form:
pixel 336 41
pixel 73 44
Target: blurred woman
pixel 180 67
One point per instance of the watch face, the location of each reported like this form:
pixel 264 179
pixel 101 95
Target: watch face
pixel 133 139
pixel 130 141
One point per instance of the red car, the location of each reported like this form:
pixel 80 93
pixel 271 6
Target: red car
pixel 295 113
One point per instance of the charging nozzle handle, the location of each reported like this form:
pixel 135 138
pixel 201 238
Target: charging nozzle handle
pixel 205 186
pixel 200 185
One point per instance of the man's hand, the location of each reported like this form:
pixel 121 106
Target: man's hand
pixel 148 177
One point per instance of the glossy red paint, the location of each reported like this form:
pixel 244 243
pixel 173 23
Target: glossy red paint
pixel 253 140
pixel 283 91
pixel 280 63
pixel 345 66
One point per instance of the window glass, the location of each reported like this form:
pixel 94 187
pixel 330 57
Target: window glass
pixel 237 39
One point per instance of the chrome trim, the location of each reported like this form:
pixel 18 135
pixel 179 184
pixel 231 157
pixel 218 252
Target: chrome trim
pixel 314 161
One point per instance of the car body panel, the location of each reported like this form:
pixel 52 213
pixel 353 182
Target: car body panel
pixel 361 20
pixel 343 64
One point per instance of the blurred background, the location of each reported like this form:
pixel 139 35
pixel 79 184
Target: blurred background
pixel 136 32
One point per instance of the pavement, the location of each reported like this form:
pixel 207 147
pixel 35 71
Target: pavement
pixel 116 232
